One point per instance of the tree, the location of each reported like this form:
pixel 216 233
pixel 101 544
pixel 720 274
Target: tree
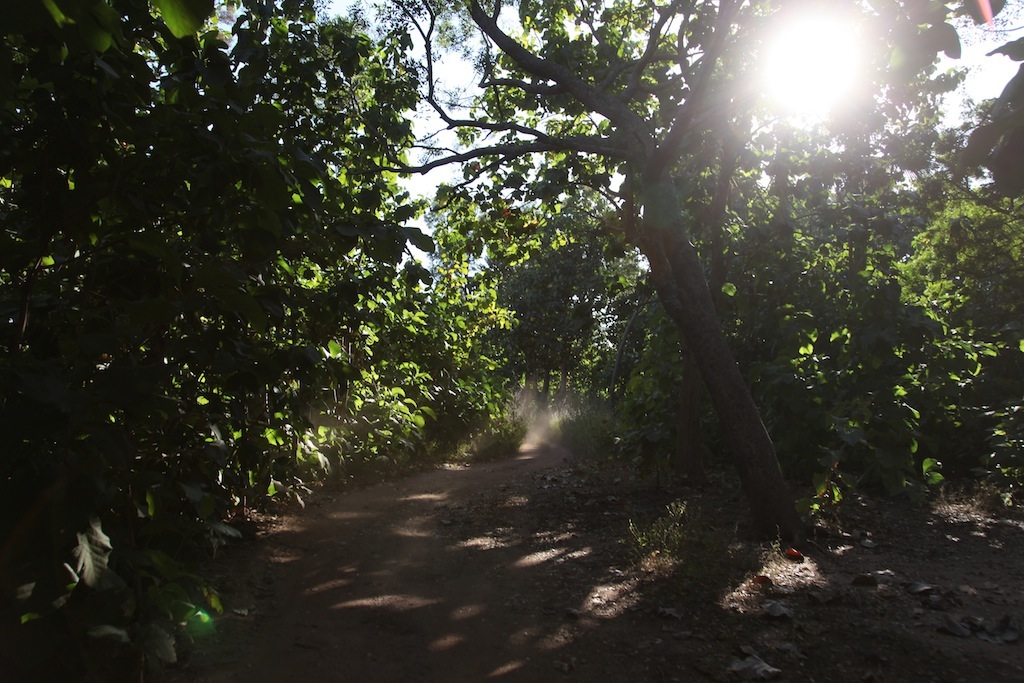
pixel 641 91
pixel 191 236
pixel 560 280
pixel 997 141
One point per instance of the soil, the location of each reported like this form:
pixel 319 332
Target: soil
pixel 527 569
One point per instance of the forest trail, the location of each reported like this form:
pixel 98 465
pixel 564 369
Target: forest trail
pixel 399 582
pixel 520 570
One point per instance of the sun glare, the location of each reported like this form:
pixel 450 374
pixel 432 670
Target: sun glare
pixel 810 64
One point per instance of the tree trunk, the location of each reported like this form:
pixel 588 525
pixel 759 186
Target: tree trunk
pixel 678 276
pixel 689 461
pixel 563 381
pixel 617 368
pixel 689 464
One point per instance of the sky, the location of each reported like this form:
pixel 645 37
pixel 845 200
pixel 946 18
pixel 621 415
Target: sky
pixel 987 76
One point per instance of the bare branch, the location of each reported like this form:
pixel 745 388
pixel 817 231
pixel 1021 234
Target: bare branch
pixel 686 112
pixel 509 151
pixel 614 109
pixel 529 88
pixel 650 52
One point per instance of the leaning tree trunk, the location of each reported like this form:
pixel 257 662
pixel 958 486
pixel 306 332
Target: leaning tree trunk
pixel 678 276
pixel 689 463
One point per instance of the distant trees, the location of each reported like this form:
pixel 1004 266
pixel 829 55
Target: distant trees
pixel 615 88
pixel 651 106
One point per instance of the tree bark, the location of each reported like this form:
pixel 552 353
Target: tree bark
pixel 620 350
pixel 689 463
pixel 678 276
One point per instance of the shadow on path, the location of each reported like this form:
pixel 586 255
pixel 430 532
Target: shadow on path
pixel 409 581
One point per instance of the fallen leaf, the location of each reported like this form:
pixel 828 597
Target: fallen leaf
pixel 954 627
pixel 865 580
pixel 999 633
pixel 794 555
pixel 762 581
pixel 776 609
pixel 565 667
pixel 753 668
pixel 791 649
pixel 975 623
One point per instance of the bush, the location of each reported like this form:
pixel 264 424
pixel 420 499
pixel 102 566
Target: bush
pixel 684 542
pixel 588 431
pixel 503 436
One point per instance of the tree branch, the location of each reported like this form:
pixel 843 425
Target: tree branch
pixel 529 88
pixel 612 108
pixel 650 52
pixel 686 112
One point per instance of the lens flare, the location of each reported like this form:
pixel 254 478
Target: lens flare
pixel 810 63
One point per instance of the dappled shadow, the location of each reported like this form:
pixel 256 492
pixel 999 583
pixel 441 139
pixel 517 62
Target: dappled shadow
pixel 517 571
pixel 895 592
pixel 461 574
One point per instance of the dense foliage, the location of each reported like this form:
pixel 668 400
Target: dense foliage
pixel 210 289
pixel 206 291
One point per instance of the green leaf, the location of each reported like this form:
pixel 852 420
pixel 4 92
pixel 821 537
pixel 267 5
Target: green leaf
pixel 157 642
pixel 222 529
pixel 92 552
pixel 55 12
pixel 981 142
pixel 275 437
pixel 246 306
pixel 729 289
pixel 184 17
pixel 419 239
pixel 110 633
pixel 943 38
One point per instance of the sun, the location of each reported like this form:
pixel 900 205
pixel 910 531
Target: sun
pixel 809 64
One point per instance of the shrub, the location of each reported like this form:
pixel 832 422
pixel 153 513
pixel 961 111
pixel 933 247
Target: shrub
pixel 588 431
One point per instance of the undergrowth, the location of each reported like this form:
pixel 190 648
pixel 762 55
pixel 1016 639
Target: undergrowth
pixel 589 431
pixel 683 544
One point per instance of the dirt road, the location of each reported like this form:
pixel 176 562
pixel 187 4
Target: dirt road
pixel 444 576
pixel 518 571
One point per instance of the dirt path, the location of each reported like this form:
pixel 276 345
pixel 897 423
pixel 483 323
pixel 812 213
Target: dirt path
pixel 397 583
pixel 517 571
